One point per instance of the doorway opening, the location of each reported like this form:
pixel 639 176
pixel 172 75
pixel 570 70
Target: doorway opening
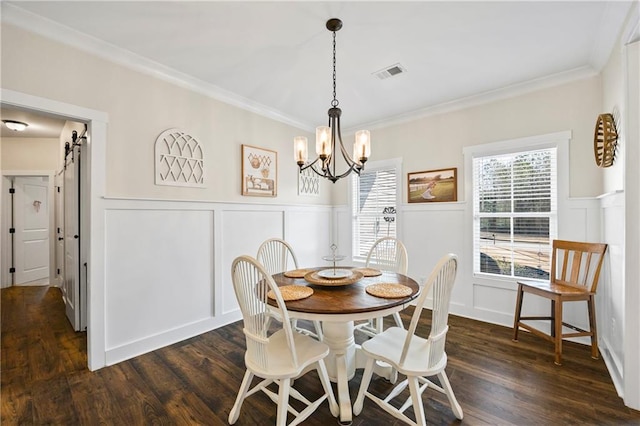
pixel 90 210
pixel 41 229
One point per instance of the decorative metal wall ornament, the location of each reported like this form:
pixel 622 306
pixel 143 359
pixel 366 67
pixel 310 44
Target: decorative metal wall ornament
pixel 179 159
pixel 308 183
pixel 389 211
pixel 325 163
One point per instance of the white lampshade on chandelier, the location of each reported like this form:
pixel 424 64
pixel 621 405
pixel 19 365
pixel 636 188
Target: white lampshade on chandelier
pixel 326 136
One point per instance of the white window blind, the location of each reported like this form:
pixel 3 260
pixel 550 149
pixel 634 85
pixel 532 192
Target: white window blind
pixel 515 212
pixel 374 206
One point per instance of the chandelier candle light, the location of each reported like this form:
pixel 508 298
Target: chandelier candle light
pixel 324 164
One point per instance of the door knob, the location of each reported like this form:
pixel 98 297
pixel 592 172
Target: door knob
pixel 76 236
pixel 60 238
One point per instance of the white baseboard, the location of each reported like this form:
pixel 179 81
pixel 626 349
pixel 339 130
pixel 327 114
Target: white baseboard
pixel 151 343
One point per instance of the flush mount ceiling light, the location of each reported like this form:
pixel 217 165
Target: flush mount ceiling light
pixel 324 164
pixel 17 126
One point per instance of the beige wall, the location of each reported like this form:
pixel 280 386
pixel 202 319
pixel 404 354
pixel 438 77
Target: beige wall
pixel 437 141
pixel 141 107
pixel 30 154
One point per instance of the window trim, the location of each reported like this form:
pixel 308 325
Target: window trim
pixel 372 166
pixel 558 140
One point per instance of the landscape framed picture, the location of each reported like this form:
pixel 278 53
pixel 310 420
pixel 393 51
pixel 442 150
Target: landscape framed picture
pixel 259 172
pixel 433 186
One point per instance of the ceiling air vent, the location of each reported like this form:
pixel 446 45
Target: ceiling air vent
pixel 390 71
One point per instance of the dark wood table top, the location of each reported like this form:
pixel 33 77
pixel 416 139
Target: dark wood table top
pixel 347 299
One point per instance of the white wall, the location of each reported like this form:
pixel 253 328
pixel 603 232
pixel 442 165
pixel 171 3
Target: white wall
pixel 431 230
pixel 632 226
pixel 29 154
pixel 140 108
pixel 436 142
pixel 25 156
pixel 210 234
pixel 168 264
pixel 618 296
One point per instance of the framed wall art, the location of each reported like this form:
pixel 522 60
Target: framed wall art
pixel 433 186
pixel 259 171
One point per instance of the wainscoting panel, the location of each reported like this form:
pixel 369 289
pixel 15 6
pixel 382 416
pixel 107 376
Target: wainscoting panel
pixel 168 264
pixel 341 227
pixel 431 232
pixel 494 300
pixel 309 233
pixel 159 272
pixel 610 300
pixel 242 233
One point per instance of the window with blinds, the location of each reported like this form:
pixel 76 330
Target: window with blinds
pixel 374 206
pixel 515 210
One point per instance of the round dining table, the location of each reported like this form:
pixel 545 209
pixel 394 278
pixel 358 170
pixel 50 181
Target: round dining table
pixel 337 307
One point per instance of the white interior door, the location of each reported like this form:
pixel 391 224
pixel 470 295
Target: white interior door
pixel 31 223
pixel 71 286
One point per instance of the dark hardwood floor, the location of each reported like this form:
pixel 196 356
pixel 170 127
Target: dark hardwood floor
pixel 44 378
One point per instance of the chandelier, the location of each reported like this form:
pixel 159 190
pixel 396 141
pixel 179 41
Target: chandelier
pixel 326 136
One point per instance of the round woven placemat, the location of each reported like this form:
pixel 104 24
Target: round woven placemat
pixel 296 273
pixel 292 292
pixel 314 278
pixel 369 272
pixel 389 290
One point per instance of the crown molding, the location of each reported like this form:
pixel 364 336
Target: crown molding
pixel 486 97
pixel 14 15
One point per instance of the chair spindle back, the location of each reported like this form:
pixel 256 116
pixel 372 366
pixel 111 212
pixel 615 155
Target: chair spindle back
pixel 388 254
pixel 577 264
pixel 275 254
pixel 251 283
pixel 441 280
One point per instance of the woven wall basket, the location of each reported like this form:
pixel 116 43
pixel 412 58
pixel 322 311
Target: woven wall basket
pixel 605 139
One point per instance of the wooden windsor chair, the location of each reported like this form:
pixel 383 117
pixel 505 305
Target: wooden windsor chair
pixel 575 272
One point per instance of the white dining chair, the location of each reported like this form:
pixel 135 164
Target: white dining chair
pixel 277 256
pixel 386 254
pixel 414 356
pixel 275 353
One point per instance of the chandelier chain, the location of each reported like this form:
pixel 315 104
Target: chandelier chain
pixel 329 143
pixel 334 102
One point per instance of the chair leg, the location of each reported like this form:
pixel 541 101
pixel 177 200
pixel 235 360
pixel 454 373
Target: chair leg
pixel 455 406
pixel 326 384
pixel 283 402
pixel 364 385
pixel 552 331
pixel 398 320
pixel 318 327
pixel 516 319
pixel 416 399
pixel 558 330
pixel 242 393
pixel 591 304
